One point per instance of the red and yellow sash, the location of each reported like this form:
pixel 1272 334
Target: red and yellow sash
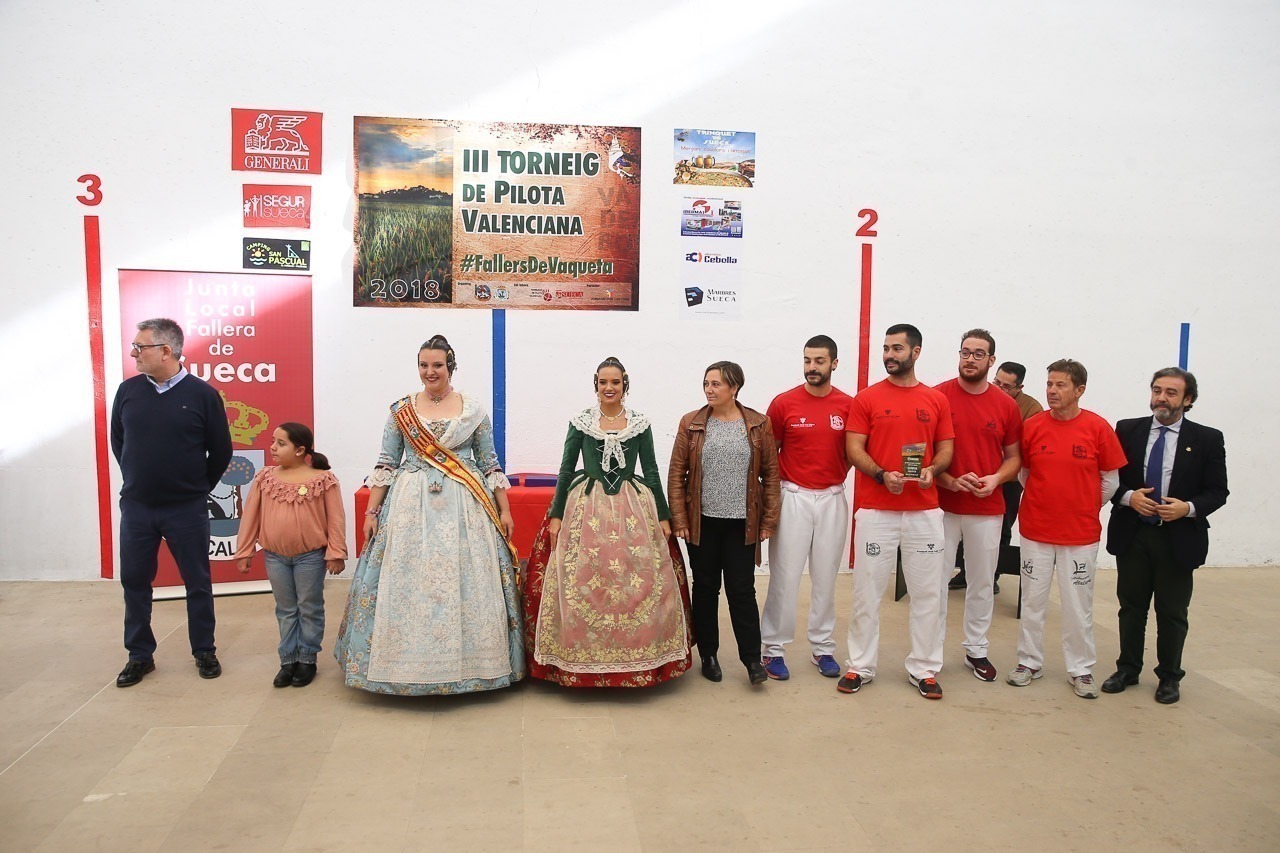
pixel 446 462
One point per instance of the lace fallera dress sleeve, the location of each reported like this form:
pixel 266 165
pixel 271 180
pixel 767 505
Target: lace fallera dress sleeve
pixel 392 454
pixel 486 456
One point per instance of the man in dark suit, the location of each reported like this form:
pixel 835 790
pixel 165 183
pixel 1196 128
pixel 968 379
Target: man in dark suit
pixel 1176 476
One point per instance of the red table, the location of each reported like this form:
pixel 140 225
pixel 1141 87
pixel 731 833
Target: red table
pixel 530 497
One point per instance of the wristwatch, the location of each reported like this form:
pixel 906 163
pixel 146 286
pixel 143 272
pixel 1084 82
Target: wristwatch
pixel 879 477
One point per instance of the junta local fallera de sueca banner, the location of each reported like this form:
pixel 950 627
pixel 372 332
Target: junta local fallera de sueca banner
pixel 249 336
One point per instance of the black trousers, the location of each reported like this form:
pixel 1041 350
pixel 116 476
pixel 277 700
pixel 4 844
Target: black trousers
pixel 1008 561
pixel 1145 570
pixel 185 529
pixel 721 553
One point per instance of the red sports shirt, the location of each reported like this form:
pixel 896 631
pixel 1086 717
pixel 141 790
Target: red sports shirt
pixel 891 416
pixel 1064 462
pixel 985 425
pixel 809 431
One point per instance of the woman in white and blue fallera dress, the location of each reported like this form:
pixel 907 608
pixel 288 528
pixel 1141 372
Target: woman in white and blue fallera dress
pixel 434 607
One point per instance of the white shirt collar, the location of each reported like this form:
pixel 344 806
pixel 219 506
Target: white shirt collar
pixel 161 387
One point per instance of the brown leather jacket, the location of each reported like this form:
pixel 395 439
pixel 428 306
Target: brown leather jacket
pixel 684 477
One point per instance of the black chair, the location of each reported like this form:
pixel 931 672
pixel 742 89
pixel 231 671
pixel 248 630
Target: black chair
pixel 1008 563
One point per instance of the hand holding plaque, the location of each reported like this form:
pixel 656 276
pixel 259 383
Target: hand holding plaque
pixel 912 460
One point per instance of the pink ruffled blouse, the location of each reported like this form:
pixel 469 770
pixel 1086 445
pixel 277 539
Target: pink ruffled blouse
pixel 293 518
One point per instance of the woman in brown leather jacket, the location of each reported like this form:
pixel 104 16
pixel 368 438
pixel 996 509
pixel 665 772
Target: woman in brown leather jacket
pixel 725 501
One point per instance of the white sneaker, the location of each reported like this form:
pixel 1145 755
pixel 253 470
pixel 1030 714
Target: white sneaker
pixel 1084 686
pixel 1022 676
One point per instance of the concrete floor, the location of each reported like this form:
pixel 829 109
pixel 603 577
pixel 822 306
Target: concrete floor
pixel 178 763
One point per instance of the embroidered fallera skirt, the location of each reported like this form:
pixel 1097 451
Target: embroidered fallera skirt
pixel 433 607
pixel 609 607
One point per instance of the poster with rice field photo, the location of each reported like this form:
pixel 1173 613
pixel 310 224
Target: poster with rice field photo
pixel 496 215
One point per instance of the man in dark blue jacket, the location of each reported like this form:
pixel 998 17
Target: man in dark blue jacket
pixel 169 434
pixel 1175 478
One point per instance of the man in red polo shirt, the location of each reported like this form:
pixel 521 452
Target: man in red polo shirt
pixel 899 438
pixel 988 428
pixel 1071 460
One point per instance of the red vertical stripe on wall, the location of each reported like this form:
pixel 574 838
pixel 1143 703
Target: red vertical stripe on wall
pixel 864 318
pixel 864 344
pixel 93 280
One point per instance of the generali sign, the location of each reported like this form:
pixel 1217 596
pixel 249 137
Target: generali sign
pixel 275 141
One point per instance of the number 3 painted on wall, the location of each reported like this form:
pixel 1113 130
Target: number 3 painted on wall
pixel 866 230
pixel 92 190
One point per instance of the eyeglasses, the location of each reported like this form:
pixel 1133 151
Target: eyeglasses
pixel 976 354
pixel 141 347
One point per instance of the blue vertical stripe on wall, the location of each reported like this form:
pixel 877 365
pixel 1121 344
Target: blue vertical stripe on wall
pixel 1184 345
pixel 500 384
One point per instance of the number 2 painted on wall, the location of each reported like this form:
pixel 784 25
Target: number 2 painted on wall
pixel 866 229
pixel 92 190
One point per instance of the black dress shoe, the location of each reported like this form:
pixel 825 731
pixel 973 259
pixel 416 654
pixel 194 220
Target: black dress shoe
pixel 1118 682
pixel 303 674
pixel 711 669
pixel 1167 692
pixel 756 672
pixel 133 672
pixel 285 676
pixel 995 587
pixel 958 582
pixel 207 663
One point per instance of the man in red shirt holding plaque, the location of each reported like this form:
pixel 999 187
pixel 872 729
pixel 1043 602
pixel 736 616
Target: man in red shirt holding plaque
pixel 1071 460
pixel 809 429
pixel 988 428
pixel 899 439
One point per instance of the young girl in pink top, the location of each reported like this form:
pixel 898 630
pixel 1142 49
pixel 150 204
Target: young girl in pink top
pixel 295 511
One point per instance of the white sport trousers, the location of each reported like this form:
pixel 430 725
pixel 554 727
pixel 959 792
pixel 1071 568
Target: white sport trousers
pixel 812 528
pixel 1076 565
pixel 877 536
pixel 981 537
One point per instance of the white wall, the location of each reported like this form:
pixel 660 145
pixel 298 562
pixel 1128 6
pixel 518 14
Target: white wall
pixel 1079 177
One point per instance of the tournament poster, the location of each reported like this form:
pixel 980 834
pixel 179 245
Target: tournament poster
pixel 496 215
